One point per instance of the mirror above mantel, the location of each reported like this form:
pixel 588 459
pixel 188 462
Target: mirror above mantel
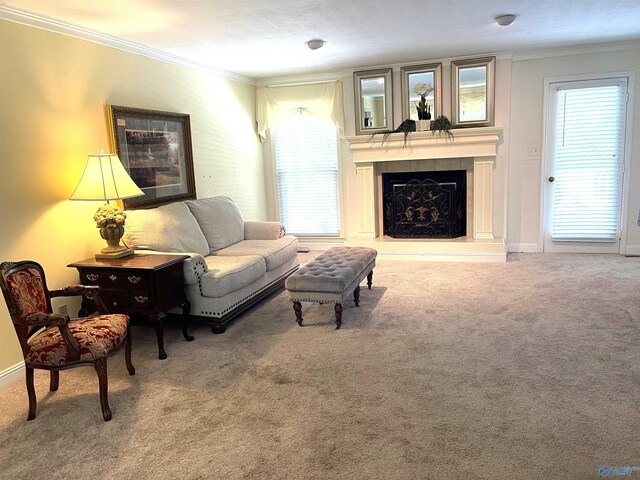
pixel 473 92
pixel 373 100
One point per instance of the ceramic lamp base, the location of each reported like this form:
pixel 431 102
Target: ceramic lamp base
pixel 110 221
pixel 107 254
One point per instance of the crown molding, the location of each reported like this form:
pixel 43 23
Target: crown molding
pixel 576 50
pixel 299 79
pixel 36 20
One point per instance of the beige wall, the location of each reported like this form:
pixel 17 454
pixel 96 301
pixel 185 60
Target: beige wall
pixel 526 127
pixel 53 91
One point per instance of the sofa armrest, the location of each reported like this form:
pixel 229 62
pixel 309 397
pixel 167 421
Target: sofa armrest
pixel 263 230
pixel 194 266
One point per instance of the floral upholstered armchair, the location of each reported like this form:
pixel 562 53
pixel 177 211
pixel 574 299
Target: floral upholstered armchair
pixel 55 342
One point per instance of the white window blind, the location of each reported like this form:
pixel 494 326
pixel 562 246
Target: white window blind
pixel 306 152
pixel 588 160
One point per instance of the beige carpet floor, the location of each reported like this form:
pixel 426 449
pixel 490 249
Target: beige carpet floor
pixel 523 370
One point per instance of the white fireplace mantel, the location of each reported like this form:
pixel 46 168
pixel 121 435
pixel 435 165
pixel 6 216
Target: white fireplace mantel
pixel 466 142
pixel 480 143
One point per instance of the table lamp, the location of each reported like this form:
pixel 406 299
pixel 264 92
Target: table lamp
pixel 104 178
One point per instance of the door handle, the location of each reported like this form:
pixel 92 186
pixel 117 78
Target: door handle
pixel 551 179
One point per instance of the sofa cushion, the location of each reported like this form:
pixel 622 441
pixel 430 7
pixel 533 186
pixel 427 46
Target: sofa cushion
pixel 274 252
pixel 169 228
pixel 228 274
pixel 220 221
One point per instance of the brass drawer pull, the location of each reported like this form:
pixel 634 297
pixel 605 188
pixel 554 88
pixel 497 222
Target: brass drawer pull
pixel 141 299
pixel 134 279
pixel 113 278
pixel 92 277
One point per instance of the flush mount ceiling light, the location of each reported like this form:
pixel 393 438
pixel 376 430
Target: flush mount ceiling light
pixel 505 20
pixel 315 43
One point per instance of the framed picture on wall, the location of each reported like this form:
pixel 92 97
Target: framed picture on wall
pixel 155 149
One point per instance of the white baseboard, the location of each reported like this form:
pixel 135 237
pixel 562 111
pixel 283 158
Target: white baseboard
pixel 479 257
pixel 523 247
pixel 11 374
pixel 632 250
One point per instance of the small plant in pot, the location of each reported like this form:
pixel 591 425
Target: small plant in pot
pixel 422 107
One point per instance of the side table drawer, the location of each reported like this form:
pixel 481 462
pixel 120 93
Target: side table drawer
pixel 114 299
pixel 107 279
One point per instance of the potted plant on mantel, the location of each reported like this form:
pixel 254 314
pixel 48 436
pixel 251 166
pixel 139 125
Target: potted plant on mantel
pixel 440 125
pixel 423 108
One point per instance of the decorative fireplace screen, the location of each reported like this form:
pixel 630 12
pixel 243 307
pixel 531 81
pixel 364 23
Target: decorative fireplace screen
pixel 425 204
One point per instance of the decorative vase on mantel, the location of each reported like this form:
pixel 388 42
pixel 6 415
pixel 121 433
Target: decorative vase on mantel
pixel 423 125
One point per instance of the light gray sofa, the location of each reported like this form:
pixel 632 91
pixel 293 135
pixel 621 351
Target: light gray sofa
pixel 232 263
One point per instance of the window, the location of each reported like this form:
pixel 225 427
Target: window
pixel 306 154
pixel 588 151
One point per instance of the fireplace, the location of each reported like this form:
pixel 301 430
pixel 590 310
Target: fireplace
pixel 424 204
pixel 473 149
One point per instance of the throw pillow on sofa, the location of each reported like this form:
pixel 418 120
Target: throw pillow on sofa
pixel 169 228
pixel 220 220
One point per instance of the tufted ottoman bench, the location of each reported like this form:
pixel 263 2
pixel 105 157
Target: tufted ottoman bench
pixel 330 278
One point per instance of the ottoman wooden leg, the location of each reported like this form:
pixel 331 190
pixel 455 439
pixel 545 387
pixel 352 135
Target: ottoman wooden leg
pixel 297 307
pixel 370 279
pixel 356 296
pixel 338 310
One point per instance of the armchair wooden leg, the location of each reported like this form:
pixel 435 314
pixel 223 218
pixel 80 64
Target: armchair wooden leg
pixel 127 353
pixel 55 379
pixel 101 370
pixel 31 392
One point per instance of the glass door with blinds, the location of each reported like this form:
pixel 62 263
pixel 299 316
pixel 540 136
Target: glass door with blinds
pixel 584 165
pixel 306 160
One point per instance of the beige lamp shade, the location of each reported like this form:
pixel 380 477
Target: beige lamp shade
pixel 104 178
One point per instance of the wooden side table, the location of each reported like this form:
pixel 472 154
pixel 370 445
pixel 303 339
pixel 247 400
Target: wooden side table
pixel 146 284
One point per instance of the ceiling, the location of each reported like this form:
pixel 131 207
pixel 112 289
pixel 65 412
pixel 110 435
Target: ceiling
pixel 263 39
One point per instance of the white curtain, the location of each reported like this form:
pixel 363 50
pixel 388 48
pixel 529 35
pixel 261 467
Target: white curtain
pixel 275 105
